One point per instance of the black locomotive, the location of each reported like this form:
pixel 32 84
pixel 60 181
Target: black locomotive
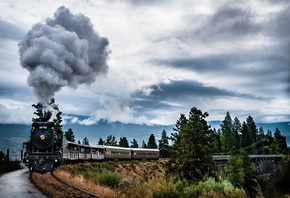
pixel 43 151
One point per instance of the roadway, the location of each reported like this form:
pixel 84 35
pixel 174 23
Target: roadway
pixel 16 184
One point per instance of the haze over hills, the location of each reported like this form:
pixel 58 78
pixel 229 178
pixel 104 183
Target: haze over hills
pixel 13 135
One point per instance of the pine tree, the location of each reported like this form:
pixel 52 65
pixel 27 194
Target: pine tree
pixel 134 144
pixel 101 141
pixel 216 143
pixel 269 142
pixel 111 141
pixel 281 140
pixel 86 141
pixel 163 144
pixel 192 159
pixel 144 145
pixel 253 130
pixel 152 142
pixel 237 127
pixel 228 133
pixel 69 135
pixel 123 142
pixel 246 136
pixel 261 137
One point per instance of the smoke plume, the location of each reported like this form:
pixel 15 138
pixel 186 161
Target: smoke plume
pixel 63 50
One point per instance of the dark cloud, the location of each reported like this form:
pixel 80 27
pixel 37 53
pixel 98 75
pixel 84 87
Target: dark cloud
pixel 15 91
pixel 233 21
pixel 10 31
pixel 229 22
pixel 264 63
pixel 176 91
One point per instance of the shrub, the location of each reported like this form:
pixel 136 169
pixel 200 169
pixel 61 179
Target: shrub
pixel 111 180
pixel 204 189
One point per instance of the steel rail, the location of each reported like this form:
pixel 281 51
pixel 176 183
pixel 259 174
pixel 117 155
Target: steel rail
pixel 79 189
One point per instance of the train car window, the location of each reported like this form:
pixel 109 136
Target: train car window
pixel 120 153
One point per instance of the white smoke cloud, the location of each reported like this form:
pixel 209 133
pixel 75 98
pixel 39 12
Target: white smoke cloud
pixel 62 51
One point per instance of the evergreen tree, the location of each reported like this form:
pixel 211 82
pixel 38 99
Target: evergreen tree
pixel 101 142
pixel 237 127
pixel 253 130
pixel 227 132
pixel 261 137
pixel 192 159
pixel 281 140
pixel 134 144
pixel 269 145
pixel 57 121
pixel 241 172
pixel 277 134
pixel 261 132
pixel 86 141
pixel 69 135
pixel 123 142
pixel 246 136
pixel 111 141
pixel 152 142
pixel 175 137
pixel 144 145
pixel 79 142
pixel 163 144
pixel 216 143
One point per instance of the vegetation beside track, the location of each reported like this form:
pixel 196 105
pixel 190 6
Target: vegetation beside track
pixel 138 179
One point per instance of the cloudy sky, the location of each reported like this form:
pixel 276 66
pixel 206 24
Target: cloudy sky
pixel 164 57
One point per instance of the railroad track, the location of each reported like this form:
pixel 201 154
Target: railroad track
pixel 52 186
pixel 83 192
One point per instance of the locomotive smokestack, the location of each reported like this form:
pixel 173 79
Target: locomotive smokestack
pixel 64 50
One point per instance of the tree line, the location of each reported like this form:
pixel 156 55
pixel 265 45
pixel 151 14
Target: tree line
pixel 232 135
pixel 111 140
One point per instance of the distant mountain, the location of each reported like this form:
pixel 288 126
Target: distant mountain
pixel 13 135
pixel 14 130
pixel 131 131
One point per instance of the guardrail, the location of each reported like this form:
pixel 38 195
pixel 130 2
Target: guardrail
pixel 9 166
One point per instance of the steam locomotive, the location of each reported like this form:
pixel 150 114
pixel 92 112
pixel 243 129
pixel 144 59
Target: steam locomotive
pixel 43 151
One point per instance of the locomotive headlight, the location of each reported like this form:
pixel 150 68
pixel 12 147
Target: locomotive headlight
pixel 42 137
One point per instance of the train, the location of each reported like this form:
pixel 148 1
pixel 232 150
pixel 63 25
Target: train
pixel 47 148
